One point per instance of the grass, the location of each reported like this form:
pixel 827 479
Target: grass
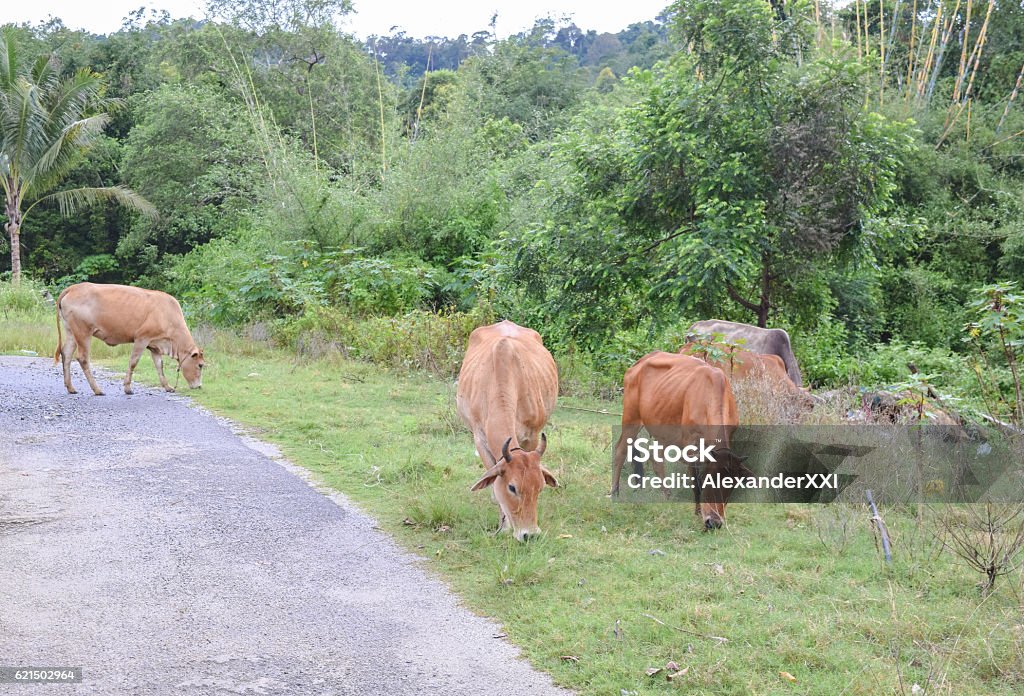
pixel 612 589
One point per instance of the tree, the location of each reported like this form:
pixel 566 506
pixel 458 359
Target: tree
pixel 743 171
pixel 46 123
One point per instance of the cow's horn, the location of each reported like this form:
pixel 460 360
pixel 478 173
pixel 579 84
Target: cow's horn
pixel 504 450
pixel 543 444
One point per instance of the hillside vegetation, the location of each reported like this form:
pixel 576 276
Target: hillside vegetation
pixel 337 216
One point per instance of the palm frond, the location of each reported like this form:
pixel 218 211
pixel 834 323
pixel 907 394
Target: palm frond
pixel 57 160
pixel 72 200
pixel 8 57
pixel 71 97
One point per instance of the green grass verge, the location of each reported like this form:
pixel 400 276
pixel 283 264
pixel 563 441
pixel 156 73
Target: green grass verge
pixel 613 589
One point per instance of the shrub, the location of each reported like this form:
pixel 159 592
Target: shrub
pixel 434 342
pixel 27 298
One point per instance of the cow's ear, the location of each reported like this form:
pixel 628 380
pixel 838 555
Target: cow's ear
pixel 195 354
pixel 549 478
pixel 489 476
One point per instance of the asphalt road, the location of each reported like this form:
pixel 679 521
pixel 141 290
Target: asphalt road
pixel 145 542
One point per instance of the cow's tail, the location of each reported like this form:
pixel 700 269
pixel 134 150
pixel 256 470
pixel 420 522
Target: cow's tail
pixel 60 340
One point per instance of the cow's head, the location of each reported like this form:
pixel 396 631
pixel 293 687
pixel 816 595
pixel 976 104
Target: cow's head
pixel 713 501
pixel 192 368
pixel 518 478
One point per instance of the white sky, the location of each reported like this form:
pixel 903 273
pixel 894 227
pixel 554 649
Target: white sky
pixel 417 18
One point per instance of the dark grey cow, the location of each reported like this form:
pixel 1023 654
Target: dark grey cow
pixel 756 339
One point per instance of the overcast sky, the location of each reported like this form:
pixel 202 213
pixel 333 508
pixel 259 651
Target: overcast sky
pixel 416 17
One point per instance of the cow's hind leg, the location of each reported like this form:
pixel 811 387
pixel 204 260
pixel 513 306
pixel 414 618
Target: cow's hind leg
pixel 83 360
pixel 67 353
pixel 158 363
pixel 133 360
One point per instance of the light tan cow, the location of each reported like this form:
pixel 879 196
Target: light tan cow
pixel 117 314
pixel 507 389
pixel 681 400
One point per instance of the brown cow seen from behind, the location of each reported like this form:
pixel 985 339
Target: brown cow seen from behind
pixel 117 314
pixel 680 400
pixel 507 388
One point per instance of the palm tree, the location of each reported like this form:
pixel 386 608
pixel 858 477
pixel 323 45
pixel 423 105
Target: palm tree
pixel 46 123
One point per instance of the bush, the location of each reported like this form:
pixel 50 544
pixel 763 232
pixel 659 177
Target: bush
pixel 26 299
pixel 434 342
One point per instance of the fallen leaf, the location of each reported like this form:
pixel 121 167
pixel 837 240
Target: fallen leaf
pixel 718 568
pixel 672 667
pixel 651 671
pixel 408 522
pixel 565 536
pixel 500 635
pixel 443 529
pixel 787 676
pixel 656 552
pixel 676 675
pixel 569 658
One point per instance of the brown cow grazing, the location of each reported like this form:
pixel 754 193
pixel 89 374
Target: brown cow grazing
pixel 741 364
pixel 117 314
pixel 507 389
pixel 682 400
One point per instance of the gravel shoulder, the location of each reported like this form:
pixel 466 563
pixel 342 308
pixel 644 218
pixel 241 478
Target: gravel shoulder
pixel 144 541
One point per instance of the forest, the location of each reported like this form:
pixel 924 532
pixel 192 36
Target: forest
pixel 853 175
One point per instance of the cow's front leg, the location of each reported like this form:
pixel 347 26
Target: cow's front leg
pixel 629 431
pixel 133 360
pixel 158 362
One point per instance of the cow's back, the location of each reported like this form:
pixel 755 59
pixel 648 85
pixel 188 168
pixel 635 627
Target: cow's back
pixel 670 389
pixel 507 370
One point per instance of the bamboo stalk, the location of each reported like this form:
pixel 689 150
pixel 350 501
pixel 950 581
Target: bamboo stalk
pixel 1013 95
pixel 892 28
pixel 967 143
pixel 860 53
pixel 881 49
pixel 936 30
pixel 910 51
pixel 976 57
pixel 380 102
pixel 312 121
pixel 942 51
pixel 867 37
pixel 979 47
pixel 423 93
pixel 963 54
pixel 819 33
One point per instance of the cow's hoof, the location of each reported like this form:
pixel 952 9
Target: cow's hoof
pixel 72 391
pixel 169 389
pixel 99 393
pixel 128 391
